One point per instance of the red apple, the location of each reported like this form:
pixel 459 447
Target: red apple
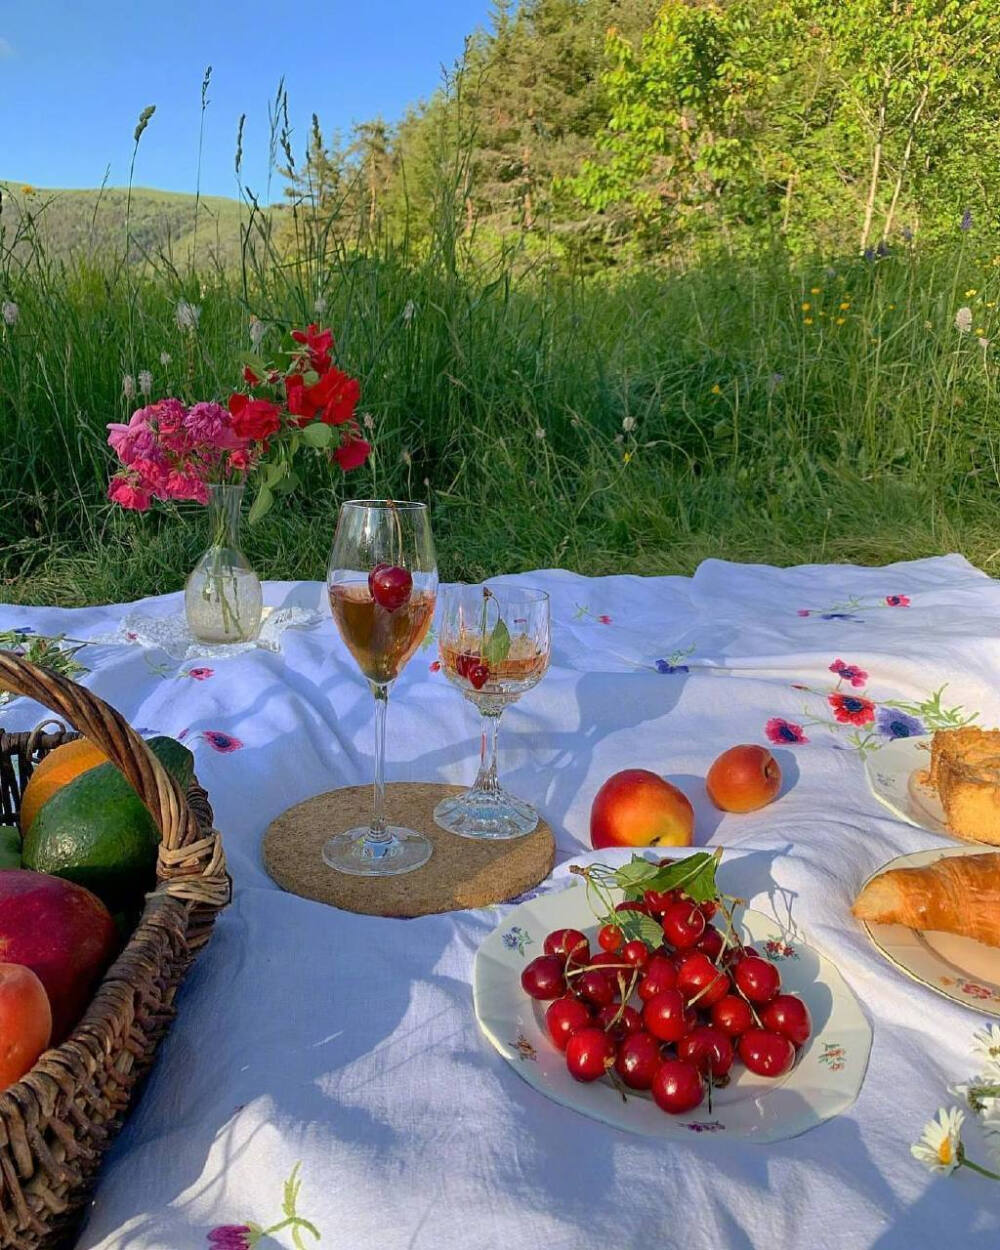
pixel 743 779
pixel 637 808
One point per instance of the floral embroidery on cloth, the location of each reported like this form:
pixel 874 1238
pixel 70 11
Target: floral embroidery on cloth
pixel 246 1236
pixel 869 724
pixel 849 609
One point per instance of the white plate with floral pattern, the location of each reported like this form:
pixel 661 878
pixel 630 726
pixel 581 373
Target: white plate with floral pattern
pixel 895 777
pixel 825 1081
pixel 961 969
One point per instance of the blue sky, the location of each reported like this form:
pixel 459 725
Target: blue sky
pixel 74 75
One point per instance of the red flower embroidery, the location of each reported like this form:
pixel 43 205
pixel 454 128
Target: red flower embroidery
pixel 975 991
pixel 784 733
pixel 852 709
pixel 849 672
pixel 898 601
pixel 201 674
pixel 435 666
pixel 221 742
pixel 804 612
pixel 604 620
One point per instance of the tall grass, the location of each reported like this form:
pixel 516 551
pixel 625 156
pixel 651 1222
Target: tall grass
pixel 635 422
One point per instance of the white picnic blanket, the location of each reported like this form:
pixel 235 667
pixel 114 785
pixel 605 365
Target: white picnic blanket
pixel 349 1044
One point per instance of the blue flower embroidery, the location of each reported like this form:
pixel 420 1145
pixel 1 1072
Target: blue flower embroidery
pixel 516 939
pixel 664 666
pixel 893 723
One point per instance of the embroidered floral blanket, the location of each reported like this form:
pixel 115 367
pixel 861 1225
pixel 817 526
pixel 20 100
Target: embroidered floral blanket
pixel 346 1047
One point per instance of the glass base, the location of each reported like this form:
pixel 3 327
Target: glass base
pixel 352 852
pixel 486 814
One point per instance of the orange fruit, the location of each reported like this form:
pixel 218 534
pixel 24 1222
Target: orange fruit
pixel 58 768
pixel 25 1021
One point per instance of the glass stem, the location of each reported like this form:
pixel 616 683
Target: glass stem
pixel 377 831
pixel 487 779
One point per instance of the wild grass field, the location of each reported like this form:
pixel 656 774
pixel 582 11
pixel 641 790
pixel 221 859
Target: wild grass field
pixel 749 409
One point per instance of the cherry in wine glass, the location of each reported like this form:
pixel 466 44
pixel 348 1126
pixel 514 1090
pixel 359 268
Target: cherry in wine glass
pixel 382 581
pixel 494 645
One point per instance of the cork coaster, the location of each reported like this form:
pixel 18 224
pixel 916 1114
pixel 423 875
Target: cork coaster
pixel 461 872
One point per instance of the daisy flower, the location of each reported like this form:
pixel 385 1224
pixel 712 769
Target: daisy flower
pixel 940 1146
pixel 986 1044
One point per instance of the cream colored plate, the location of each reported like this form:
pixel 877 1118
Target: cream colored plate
pixel 825 1081
pixel 965 971
pixel 895 777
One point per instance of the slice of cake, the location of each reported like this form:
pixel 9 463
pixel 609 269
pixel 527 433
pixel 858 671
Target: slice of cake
pixel 965 772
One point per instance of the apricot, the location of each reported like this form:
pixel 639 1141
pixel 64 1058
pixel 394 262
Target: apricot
pixel 638 808
pixel 25 1021
pixel 743 779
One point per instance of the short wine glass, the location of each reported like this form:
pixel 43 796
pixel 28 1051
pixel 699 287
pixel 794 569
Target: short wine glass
pixel 382 582
pixel 494 645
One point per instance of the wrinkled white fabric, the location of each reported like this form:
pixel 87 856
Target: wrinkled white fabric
pixel 350 1044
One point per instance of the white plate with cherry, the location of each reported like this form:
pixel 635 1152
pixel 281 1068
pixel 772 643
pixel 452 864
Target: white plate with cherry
pixel 660 1006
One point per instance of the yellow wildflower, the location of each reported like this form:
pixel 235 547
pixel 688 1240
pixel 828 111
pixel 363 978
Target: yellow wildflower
pixel 815 290
pixel 627 457
pixel 892 305
pixel 844 306
pixel 807 321
pixel 980 331
pixel 970 292
pixel 806 307
pixel 716 389
pixel 841 320
pixel 27 189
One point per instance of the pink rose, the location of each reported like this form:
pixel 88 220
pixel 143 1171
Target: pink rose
pixel 240 460
pixel 185 486
pixel 123 492
pixel 212 424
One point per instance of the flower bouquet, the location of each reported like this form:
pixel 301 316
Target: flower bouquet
pixel 206 453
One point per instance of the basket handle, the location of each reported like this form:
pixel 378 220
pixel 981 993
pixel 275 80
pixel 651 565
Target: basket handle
pixel 186 853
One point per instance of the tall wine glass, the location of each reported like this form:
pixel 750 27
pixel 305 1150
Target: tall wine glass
pixel 494 644
pixel 382 582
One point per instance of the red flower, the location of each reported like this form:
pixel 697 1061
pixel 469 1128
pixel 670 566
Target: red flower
pixel 849 672
pixel 254 419
pixel 783 732
pixel 250 376
pixel 318 343
pixel 897 601
pixel 435 666
pixel 221 742
pixel 852 709
pixel 352 453
pixel 332 398
pixel 604 620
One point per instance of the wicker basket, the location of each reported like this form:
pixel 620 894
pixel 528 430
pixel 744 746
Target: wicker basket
pixel 56 1123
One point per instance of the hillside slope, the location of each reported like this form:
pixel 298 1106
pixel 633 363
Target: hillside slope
pixel 162 224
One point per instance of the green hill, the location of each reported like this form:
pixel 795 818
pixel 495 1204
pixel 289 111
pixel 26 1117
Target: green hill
pixel 162 226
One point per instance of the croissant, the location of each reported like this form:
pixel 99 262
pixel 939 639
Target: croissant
pixel 956 894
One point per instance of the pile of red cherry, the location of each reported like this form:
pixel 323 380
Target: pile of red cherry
pixel 473 669
pixel 701 1005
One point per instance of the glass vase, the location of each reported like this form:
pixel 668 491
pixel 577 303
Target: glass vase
pixel 222 598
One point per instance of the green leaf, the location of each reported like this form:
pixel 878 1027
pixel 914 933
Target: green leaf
pixel 288 483
pixel 273 473
pixel 317 434
pixel 498 644
pixel 262 505
pixel 695 875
